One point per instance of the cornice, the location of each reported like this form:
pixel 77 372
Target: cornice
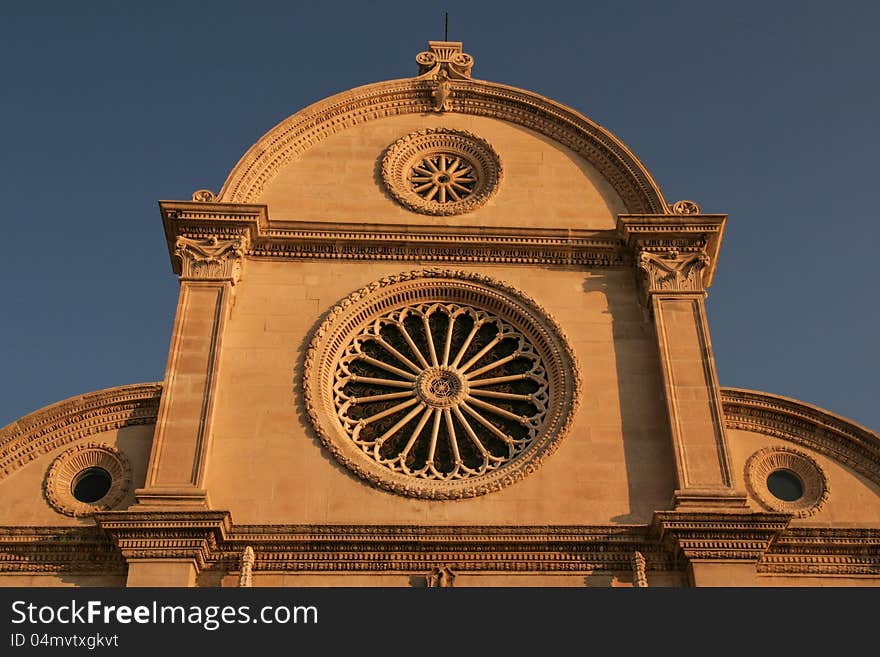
pixel 736 536
pixel 803 424
pixel 170 534
pixel 80 550
pixel 308 127
pixel 824 551
pixel 214 543
pixel 359 241
pixel 55 426
pixel 364 548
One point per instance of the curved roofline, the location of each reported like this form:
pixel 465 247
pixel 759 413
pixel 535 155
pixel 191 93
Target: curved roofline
pixel 301 131
pixel 64 422
pixel 801 423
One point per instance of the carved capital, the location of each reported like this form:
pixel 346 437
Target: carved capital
pixel 210 258
pixel 445 56
pixel 671 271
pixel 673 254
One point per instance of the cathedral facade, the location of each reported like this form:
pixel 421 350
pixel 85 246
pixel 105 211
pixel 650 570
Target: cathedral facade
pixel 439 331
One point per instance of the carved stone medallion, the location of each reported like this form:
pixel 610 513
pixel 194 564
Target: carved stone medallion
pixel 87 460
pixel 440 384
pixel 810 485
pixel 440 171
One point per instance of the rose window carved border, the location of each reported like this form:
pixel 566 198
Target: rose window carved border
pixel 67 466
pixel 440 384
pixel 763 463
pixel 440 171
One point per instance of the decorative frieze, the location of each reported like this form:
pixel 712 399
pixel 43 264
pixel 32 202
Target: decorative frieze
pixel 210 540
pixel 339 241
pixel 59 550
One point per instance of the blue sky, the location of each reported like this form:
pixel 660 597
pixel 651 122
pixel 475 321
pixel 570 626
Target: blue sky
pixel 767 112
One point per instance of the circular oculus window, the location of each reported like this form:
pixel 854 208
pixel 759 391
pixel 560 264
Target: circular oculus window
pixel 440 171
pixel 786 480
pixel 440 384
pixel 87 478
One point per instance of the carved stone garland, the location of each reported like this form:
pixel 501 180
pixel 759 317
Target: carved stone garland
pixel 440 171
pixel 440 384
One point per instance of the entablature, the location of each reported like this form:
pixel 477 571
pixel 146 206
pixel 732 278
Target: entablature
pixel 193 220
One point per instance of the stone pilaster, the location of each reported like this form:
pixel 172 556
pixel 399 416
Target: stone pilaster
pixel 209 268
pixel 674 257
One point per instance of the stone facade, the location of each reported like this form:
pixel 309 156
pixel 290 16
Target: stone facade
pixel 439 332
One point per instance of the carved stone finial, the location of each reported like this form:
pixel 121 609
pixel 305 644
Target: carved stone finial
pixel 441 577
pixel 443 93
pixel 685 207
pixel 445 56
pixel 640 579
pixel 203 196
pixel 247 566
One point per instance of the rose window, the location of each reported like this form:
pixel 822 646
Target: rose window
pixel 439 384
pixel 440 171
pixel 441 391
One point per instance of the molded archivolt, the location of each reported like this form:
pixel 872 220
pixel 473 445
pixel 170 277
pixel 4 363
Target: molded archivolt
pixel 303 130
pixel 65 422
pixel 803 424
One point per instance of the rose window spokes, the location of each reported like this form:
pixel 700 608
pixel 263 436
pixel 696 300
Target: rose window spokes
pixel 443 178
pixel 441 391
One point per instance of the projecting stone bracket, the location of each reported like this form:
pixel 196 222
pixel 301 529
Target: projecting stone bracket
pixel 719 549
pixel 166 548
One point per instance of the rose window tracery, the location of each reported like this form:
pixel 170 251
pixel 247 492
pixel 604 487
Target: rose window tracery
pixel 440 171
pixel 441 391
pixel 443 178
pixel 440 384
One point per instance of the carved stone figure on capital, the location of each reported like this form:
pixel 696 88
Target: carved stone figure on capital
pixel 441 577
